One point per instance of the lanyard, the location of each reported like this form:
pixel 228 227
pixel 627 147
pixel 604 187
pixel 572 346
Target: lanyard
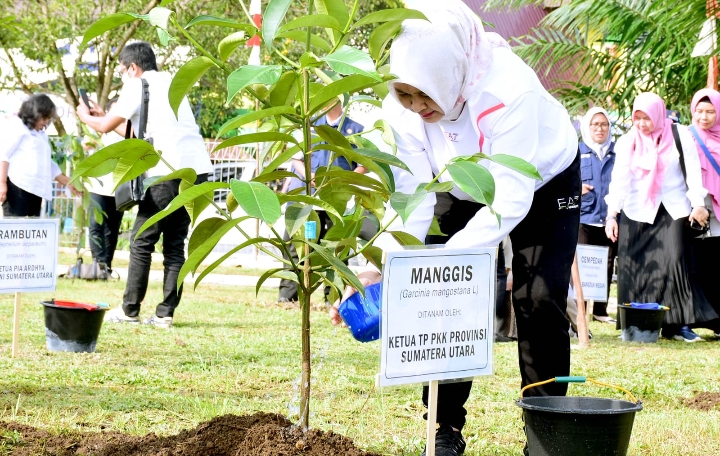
pixel 705 149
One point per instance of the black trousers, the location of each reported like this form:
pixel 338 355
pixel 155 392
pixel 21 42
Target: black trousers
pixel 104 235
pixel 595 235
pixel 543 251
pixel 20 203
pixel 174 230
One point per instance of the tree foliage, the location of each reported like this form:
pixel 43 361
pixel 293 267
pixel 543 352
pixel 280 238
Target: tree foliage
pixel 615 49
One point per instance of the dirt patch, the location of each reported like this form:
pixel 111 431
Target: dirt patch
pixel 229 435
pixel 703 401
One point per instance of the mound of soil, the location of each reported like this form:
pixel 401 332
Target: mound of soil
pixel 703 401
pixel 229 435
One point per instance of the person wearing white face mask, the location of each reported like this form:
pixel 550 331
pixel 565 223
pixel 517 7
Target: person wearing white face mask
pixel 182 147
pixel 26 166
pixel 459 91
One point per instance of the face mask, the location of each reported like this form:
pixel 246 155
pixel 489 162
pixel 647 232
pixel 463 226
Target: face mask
pixel 125 77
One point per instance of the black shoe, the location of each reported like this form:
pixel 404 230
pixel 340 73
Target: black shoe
pixel 284 299
pixel 448 442
pixel 501 338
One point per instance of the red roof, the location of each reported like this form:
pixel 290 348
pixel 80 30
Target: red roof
pixel 514 24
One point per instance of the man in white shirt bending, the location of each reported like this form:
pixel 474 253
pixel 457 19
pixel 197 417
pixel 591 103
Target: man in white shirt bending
pixel 182 147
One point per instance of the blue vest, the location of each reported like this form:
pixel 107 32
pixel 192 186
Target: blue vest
pixel 597 173
pixel 321 157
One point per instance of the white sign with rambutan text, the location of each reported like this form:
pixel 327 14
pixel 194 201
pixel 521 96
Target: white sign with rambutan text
pixel 28 254
pixel 437 317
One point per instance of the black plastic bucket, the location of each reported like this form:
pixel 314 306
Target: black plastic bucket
pixel 72 326
pixel 577 426
pixel 640 325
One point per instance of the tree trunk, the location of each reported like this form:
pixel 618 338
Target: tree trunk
pixel 306 371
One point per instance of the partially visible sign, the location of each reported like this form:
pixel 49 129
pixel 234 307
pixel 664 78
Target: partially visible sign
pixel 28 254
pixel 592 263
pixel 437 315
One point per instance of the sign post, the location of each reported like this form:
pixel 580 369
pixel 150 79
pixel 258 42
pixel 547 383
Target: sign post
pixel 591 283
pixel 28 258
pixel 437 319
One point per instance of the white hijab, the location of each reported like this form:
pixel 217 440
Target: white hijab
pixel 444 58
pixel 599 148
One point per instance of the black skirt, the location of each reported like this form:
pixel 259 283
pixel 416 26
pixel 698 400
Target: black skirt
pixel 654 264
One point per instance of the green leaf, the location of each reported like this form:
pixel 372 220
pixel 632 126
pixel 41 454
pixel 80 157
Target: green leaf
pixel 133 156
pixel 245 119
pixel 106 23
pixel 516 164
pixel 338 265
pixel 382 157
pixel 348 60
pixel 250 138
pixel 313 201
pixel 374 255
pixel 273 175
pixel 186 77
pixel 301 37
pixel 439 187
pixel 257 200
pixel 435 228
pixel 331 136
pixel 351 84
pixel 211 267
pixel 252 74
pixel 231 203
pixel 366 99
pixel 203 231
pixel 203 249
pixel 388 136
pixel 381 36
pixel 271 273
pixel 275 12
pixel 405 238
pixel 405 204
pixel 279 160
pixel 164 36
pixel 336 9
pixel 222 22
pixel 228 44
pixel 284 91
pixel 196 206
pixel 187 174
pixel 473 179
pixel 350 177
pixel 159 17
pixel 393 14
pixel 295 217
pixel 313 20
pixel 196 191
pixel 104 168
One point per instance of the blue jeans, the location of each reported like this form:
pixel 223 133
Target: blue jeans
pixel 174 230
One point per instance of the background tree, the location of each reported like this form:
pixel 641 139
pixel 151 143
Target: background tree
pixel 612 50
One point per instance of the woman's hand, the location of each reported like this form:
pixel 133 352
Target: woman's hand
pixel 611 229
pixel 700 214
pixel 3 192
pixel 586 188
pixel 366 278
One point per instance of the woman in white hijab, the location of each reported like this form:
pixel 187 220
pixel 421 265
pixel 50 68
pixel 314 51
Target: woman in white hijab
pixel 460 91
pixel 597 157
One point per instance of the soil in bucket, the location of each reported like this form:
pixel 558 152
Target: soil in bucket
pixel 577 426
pixel 72 326
pixel 640 325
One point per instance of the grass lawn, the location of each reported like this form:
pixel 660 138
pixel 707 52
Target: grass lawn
pixel 231 352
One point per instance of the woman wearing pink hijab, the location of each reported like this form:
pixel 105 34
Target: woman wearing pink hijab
pixel 649 188
pixel 706 133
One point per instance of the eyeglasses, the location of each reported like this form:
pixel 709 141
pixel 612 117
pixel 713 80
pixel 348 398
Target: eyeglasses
pixel 600 126
pixel 119 70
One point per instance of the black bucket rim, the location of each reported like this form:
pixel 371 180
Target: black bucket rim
pixel 625 306
pixel 55 306
pixel 633 406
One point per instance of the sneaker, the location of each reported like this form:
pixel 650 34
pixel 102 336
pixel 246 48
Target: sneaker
pixel 604 319
pixel 159 322
pixel 448 442
pixel 117 315
pixel 687 335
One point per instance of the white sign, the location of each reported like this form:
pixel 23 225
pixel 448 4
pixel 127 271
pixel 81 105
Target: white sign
pixel 437 314
pixel 28 254
pixel 592 263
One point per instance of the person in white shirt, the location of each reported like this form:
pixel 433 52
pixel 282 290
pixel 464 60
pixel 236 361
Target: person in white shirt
pixel 182 147
pixel 648 186
pixel 26 166
pixel 459 91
